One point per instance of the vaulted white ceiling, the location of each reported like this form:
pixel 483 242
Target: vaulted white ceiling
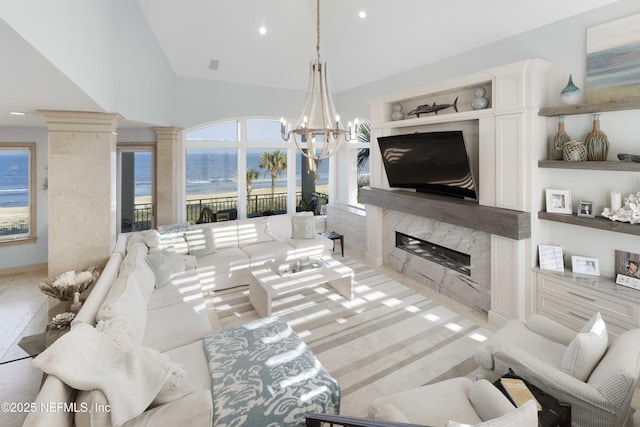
pixel 395 36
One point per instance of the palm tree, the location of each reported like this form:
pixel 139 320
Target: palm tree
pixel 252 175
pixel 275 162
pixel 364 135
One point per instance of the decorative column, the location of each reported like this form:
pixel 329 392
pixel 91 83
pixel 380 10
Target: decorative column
pixel 82 189
pixel 168 177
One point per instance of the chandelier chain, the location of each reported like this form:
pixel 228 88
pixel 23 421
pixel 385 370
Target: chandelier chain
pixel 318 26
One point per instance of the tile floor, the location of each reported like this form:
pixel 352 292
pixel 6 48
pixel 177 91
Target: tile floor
pixel 24 311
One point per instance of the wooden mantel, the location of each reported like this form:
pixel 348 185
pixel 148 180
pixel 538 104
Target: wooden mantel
pixel 502 222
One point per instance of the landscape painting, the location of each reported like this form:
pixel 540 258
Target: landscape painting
pixel 613 60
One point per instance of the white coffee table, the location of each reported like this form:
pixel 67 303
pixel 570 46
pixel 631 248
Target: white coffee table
pixel 267 283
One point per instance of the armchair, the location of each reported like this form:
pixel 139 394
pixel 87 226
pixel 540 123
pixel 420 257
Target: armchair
pixel 541 351
pixel 450 402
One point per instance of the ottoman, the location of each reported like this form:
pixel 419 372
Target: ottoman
pixel 263 374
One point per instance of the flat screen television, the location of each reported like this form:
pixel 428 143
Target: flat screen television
pixel 429 162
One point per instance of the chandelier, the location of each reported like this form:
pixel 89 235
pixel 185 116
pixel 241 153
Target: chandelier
pixel 318 123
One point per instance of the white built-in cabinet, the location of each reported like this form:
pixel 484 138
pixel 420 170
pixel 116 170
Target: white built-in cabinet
pixel 506 150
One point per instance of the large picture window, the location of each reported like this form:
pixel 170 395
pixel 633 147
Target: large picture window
pixel 17 192
pixel 239 169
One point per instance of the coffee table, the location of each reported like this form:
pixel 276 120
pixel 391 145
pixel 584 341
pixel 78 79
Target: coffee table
pixel 267 282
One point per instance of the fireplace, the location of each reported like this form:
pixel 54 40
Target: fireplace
pixel 449 258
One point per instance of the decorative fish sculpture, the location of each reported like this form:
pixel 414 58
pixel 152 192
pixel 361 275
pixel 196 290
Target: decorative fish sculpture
pixel 425 109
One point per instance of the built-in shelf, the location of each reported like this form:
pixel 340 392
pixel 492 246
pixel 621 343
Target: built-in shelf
pixel 443 117
pixel 502 222
pixel 592 107
pixel 604 166
pixel 599 223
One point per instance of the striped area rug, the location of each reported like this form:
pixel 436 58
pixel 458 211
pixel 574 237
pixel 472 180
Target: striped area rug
pixel 389 338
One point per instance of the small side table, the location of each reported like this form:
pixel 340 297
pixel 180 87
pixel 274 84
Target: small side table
pixel 335 236
pixel 554 412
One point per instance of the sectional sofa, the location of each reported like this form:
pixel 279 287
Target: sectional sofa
pixel 134 354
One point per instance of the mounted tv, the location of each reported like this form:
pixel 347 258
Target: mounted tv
pixel 429 162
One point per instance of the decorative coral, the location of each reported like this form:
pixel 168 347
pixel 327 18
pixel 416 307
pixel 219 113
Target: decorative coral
pixel 630 212
pixel 61 321
pixel 67 284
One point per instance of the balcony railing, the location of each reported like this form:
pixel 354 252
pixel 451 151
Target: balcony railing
pixel 257 205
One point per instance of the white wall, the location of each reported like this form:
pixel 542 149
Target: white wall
pixel 31 253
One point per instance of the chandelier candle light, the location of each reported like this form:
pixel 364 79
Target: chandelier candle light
pixel 318 119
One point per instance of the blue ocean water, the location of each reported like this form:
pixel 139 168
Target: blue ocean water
pixel 208 171
pixel 14 178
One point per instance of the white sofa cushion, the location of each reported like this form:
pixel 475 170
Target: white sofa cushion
pixel 184 288
pixel 193 360
pixel 253 230
pixel 260 253
pixel 310 247
pixel 200 241
pixel 125 300
pixel 176 325
pixel 587 348
pixel 225 233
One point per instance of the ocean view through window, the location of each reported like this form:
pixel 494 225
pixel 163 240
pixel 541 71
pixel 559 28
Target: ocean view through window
pixel 17 196
pixel 226 172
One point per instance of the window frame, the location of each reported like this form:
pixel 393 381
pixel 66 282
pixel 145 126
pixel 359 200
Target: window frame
pixel 353 148
pixel 29 237
pixel 243 145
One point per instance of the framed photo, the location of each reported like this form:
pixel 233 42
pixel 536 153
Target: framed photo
pixel 627 264
pixel 586 209
pixel 584 265
pixel 558 201
pixel 627 271
pixel 550 258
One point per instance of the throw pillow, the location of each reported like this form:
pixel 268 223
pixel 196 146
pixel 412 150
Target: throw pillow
pixel 125 299
pixel 279 227
pixel 165 265
pixel 587 348
pixel 304 227
pixel 389 412
pixel 488 401
pixel 200 242
pixel 524 416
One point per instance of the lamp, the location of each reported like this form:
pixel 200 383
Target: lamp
pixel 318 119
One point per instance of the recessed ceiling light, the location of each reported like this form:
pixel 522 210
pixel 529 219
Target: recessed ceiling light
pixel 262 30
pixel 362 14
pixel 17 113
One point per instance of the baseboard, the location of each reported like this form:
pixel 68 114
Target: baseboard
pixel 10 271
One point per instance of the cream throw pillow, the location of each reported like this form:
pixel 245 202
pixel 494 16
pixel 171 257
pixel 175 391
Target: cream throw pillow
pixel 524 416
pixel 488 401
pixel 165 265
pixel 304 226
pixel 585 350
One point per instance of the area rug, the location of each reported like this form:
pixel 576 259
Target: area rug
pixel 389 338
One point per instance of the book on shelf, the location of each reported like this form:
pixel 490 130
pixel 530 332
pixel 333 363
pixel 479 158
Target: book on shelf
pixel 518 391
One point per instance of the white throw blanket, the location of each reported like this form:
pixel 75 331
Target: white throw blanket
pixel 108 358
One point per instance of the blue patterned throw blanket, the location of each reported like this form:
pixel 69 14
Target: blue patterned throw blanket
pixel 263 374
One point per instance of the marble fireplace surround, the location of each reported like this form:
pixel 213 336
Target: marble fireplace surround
pixel 457 224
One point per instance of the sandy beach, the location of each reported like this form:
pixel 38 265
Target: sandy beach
pixel 14 215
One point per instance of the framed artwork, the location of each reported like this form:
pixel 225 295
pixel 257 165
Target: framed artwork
pixel 586 209
pixel 558 201
pixel 627 269
pixel 584 265
pixel 613 50
pixel 550 258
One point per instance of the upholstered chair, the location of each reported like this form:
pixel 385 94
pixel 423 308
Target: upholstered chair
pixel 593 373
pixel 452 403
